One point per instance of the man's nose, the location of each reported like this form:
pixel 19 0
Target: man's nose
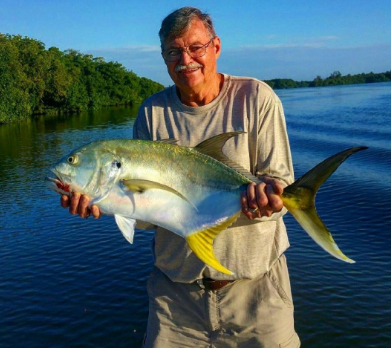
pixel 185 58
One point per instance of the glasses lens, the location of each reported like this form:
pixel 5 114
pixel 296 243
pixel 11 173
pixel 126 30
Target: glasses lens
pixel 172 54
pixel 194 51
pixel 197 51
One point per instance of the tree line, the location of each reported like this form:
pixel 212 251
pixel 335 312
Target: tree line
pixel 35 80
pixel 334 79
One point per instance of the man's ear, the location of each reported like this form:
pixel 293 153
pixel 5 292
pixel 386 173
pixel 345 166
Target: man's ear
pixel 217 46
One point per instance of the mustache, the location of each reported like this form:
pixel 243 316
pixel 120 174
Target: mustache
pixel 194 65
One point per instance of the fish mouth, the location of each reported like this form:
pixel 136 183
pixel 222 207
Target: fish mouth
pixel 58 185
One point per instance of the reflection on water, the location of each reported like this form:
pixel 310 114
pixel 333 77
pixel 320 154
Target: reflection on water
pixel 67 282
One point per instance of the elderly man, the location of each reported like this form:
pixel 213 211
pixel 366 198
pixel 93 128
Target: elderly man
pixel 191 304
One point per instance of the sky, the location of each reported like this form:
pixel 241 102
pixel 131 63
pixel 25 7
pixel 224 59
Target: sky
pixel 297 39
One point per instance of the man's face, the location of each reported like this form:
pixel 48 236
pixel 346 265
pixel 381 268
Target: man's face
pixel 204 72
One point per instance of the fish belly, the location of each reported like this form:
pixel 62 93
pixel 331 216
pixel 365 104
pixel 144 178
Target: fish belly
pixel 202 209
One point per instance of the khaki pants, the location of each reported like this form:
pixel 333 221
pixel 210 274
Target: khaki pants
pixel 245 313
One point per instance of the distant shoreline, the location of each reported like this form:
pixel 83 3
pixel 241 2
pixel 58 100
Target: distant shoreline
pixel 335 79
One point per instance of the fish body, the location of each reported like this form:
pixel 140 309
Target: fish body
pixel 193 192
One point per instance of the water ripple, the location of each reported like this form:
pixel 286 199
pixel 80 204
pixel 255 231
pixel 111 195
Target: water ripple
pixel 69 282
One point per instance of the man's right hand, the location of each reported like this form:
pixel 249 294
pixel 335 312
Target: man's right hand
pixel 78 205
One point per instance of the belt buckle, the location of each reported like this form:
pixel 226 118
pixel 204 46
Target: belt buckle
pixel 214 285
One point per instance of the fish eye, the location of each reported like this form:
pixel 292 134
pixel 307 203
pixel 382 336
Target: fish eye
pixel 73 159
pixel 116 164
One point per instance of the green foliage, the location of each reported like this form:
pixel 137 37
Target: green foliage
pixel 334 79
pixel 34 80
pixel 14 97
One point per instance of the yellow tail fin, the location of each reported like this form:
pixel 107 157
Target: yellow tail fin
pixel 299 199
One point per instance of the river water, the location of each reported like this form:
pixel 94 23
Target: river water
pixel 69 282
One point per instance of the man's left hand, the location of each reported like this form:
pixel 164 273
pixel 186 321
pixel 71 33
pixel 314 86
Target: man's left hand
pixel 262 199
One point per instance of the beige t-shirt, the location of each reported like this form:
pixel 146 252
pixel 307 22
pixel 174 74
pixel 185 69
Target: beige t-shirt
pixel 247 248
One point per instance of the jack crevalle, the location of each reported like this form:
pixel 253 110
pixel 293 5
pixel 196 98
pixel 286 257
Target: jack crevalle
pixel 178 188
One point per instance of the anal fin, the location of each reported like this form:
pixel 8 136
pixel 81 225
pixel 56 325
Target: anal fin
pixel 201 243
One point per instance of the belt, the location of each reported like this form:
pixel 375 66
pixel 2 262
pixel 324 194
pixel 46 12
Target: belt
pixel 213 285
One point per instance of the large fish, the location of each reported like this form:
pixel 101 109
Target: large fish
pixel 178 188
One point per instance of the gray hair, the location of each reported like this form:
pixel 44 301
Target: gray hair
pixel 177 22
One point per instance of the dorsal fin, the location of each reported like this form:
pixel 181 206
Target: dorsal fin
pixel 213 147
pixel 168 141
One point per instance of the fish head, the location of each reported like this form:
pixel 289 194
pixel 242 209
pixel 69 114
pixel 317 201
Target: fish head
pixel 88 170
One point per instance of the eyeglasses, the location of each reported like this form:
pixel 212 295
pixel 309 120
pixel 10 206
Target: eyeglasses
pixel 194 51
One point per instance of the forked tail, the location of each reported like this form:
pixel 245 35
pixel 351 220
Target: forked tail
pixel 299 199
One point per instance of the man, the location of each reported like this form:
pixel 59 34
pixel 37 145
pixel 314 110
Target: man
pixel 191 304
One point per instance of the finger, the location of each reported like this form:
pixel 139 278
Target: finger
pixel 252 195
pixel 83 209
pixel 249 203
pixel 262 199
pixel 74 203
pixel 255 202
pixel 276 184
pixel 267 211
pixel 275 201
pixel 95 211
pixel 277 187
pixel 250 213
pixel 244 204
pixel 64 201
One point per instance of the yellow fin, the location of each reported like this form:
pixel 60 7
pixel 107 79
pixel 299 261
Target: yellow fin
pixel 314 226
pixel 299 199
pixel 201 243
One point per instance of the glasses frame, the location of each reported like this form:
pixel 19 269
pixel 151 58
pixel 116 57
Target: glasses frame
pixel 186 49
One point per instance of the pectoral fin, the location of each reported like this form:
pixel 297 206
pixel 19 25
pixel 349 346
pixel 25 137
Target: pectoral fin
pixel 201 243
pixel 140 186
pixel 126 226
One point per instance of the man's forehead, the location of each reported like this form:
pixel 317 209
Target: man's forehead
pixel 195 33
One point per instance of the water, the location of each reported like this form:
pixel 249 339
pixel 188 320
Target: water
pixel 70 282
pixel 337 304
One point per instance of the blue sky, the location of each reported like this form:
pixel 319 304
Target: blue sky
pixel 297 39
